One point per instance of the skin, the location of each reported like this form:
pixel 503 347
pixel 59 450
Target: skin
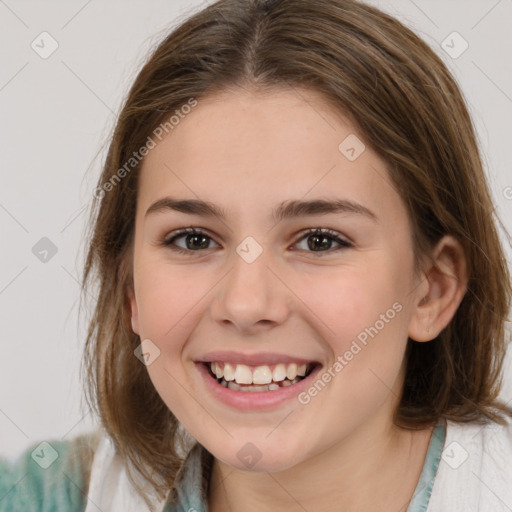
pixel 248 152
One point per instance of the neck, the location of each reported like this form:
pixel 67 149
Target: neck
pixel 375 468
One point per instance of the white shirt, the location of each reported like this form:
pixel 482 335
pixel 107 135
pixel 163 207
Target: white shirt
pixel 474 474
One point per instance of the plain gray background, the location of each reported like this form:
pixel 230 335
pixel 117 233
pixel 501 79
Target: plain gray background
pixel 57 112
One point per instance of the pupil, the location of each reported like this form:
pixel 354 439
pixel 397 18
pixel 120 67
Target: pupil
pixel 204 245
pixel 319 237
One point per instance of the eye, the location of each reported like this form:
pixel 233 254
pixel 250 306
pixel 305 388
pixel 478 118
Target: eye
pixel 195 240
pixel 322 239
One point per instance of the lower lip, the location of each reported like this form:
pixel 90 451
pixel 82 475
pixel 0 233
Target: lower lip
pixel 254 400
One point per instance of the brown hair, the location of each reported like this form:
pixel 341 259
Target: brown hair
pixel 409 109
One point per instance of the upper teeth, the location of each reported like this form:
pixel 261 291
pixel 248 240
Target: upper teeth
pixel 243 374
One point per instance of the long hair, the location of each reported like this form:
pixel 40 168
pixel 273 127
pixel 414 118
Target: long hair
pixel 410 110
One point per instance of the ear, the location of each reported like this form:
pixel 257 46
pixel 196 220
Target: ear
pixel 134 309
pixel 442 292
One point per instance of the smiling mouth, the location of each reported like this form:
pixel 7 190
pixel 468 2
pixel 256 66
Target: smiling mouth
pixel 241 377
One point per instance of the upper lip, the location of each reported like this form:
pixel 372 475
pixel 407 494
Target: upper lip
pixel 255 359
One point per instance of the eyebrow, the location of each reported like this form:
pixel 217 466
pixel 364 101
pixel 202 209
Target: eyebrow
pixel 286 210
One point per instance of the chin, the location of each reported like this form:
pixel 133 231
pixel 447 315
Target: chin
pixel 258 455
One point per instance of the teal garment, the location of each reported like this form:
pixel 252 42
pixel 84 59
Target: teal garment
pixel 26 486
pixel 421 496
pixel 192 488
pixel 47 477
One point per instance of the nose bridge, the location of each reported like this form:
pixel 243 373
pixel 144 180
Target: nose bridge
pixel 251 293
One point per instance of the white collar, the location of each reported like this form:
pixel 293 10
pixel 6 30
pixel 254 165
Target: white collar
pixel 109 486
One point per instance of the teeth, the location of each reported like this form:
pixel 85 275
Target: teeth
pixel 252 389
pixel 217 370
pixel 261 375
pixel 243 374
pixel 279 373
pixel 291 371
pixel 229 372
pixel 234 386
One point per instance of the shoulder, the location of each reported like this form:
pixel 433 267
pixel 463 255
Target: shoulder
pixel 49 475
pixel 475 470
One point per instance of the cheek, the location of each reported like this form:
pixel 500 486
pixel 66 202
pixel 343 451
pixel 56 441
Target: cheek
pixel 363 319
pixel 170 301
pixel 350 299
pixel 167 297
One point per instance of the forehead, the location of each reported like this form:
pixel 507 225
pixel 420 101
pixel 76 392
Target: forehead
pixel 245 150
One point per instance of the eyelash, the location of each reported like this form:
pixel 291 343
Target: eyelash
pixel 328 233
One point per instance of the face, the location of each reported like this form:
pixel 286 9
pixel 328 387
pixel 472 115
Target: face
pixel 311 302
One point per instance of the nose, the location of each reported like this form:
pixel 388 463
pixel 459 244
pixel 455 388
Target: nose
pixel 252 296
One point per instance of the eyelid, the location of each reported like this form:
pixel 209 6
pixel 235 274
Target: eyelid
pixel 178 233
pixel 342 240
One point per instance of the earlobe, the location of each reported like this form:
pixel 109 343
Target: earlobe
pixel 134 311
pixel 446 278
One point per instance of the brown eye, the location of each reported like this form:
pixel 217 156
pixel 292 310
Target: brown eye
pixel 320 241
pixel 194 240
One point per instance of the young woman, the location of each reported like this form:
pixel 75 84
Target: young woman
pixel 302 293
